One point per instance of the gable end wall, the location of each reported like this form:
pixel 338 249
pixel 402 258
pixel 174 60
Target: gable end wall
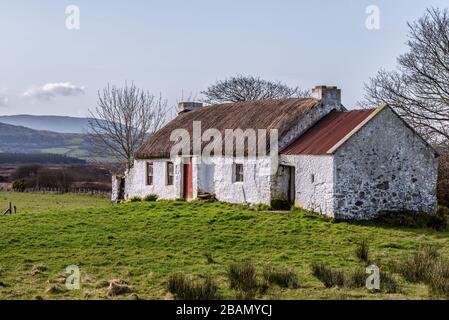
pixel 384 167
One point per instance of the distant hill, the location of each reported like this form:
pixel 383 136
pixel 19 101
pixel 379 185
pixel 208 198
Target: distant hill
pixel 37 158
pixel 19 139
pixel 59 124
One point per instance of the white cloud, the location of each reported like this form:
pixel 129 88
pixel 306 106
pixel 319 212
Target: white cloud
pixel 52 90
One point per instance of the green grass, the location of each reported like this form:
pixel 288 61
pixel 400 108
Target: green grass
pixel 143 243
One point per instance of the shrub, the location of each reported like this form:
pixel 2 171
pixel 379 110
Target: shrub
pixel 285 278
pixel 438 279
pixel 243 277
pixel 443 179
pixel 19 185
pixel 362 252
pixel 356 279
pixel 135 199
pixel 439 222
pixel 184 288
pixel 151 198
pixel 328 276
pixel 418 267
pixel 410 219
pixel 388 283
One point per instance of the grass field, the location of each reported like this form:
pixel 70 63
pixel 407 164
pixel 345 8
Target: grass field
pixel 143 243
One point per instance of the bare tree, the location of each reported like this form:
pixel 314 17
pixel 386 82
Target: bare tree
pixel 123 119
pixel 248 88
pixel 419 89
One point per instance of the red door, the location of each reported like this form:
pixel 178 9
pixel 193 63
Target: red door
pixel 188 184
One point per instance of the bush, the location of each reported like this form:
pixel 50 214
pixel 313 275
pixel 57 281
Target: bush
pixel 356 279
pixel 19 185
pixel 438 279
pixel 243 277
pixel 362 252
pixel 415 219
pixel 443 179
pixel 418 267
pixel 184 288
pixel 328 276
pixel 285 278
pixel 439 222
pixel 135 199
pixel 388 283
pixel 151 198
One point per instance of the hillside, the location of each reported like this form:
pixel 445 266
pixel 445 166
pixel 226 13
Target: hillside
pixel 60 124
pixel 143 243
pixel 19 139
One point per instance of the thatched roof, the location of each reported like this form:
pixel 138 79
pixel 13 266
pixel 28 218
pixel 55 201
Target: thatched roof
pixel 266 114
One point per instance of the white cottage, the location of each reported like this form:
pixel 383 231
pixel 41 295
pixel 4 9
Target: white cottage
pixel 344 164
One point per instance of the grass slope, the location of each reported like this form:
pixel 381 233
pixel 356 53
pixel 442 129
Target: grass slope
pixel 142 243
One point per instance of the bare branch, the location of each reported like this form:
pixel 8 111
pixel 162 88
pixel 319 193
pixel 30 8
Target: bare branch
pixel 123 119
pixel 419 88
pixel 248 88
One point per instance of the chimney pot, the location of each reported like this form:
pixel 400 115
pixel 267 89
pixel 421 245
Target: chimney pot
pixel 189 106
pixel 329 95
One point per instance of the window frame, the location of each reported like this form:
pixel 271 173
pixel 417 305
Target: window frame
pixel 148 182
pixel 238 175
pixel 169 177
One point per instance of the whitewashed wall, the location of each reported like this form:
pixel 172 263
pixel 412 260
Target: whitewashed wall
pixel 256 188
pixel 216 177
pixel 317 195
pixel 136 180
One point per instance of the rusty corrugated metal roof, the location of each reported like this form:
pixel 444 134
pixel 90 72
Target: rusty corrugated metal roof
pixel 328 132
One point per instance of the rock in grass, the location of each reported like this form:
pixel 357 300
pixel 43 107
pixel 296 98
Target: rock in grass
pixel 37 269
pixel 118 287
pixel 54 290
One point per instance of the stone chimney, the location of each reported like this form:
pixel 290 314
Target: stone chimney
pixel 327 95
pixel 189 106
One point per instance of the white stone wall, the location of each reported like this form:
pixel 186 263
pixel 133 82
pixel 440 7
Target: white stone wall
pixel 256 188
pixel 315 194
pixel 216 177
pixel 385 167
pixel 206 173
pixel 136 185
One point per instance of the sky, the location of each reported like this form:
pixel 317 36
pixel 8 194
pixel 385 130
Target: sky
pixel 177 48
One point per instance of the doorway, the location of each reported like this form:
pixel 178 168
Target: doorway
pixel 187 180
pixel 291 190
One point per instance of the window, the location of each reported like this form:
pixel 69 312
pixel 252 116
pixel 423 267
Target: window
pixel 238 172
pixel 170 173
pixel 149 173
